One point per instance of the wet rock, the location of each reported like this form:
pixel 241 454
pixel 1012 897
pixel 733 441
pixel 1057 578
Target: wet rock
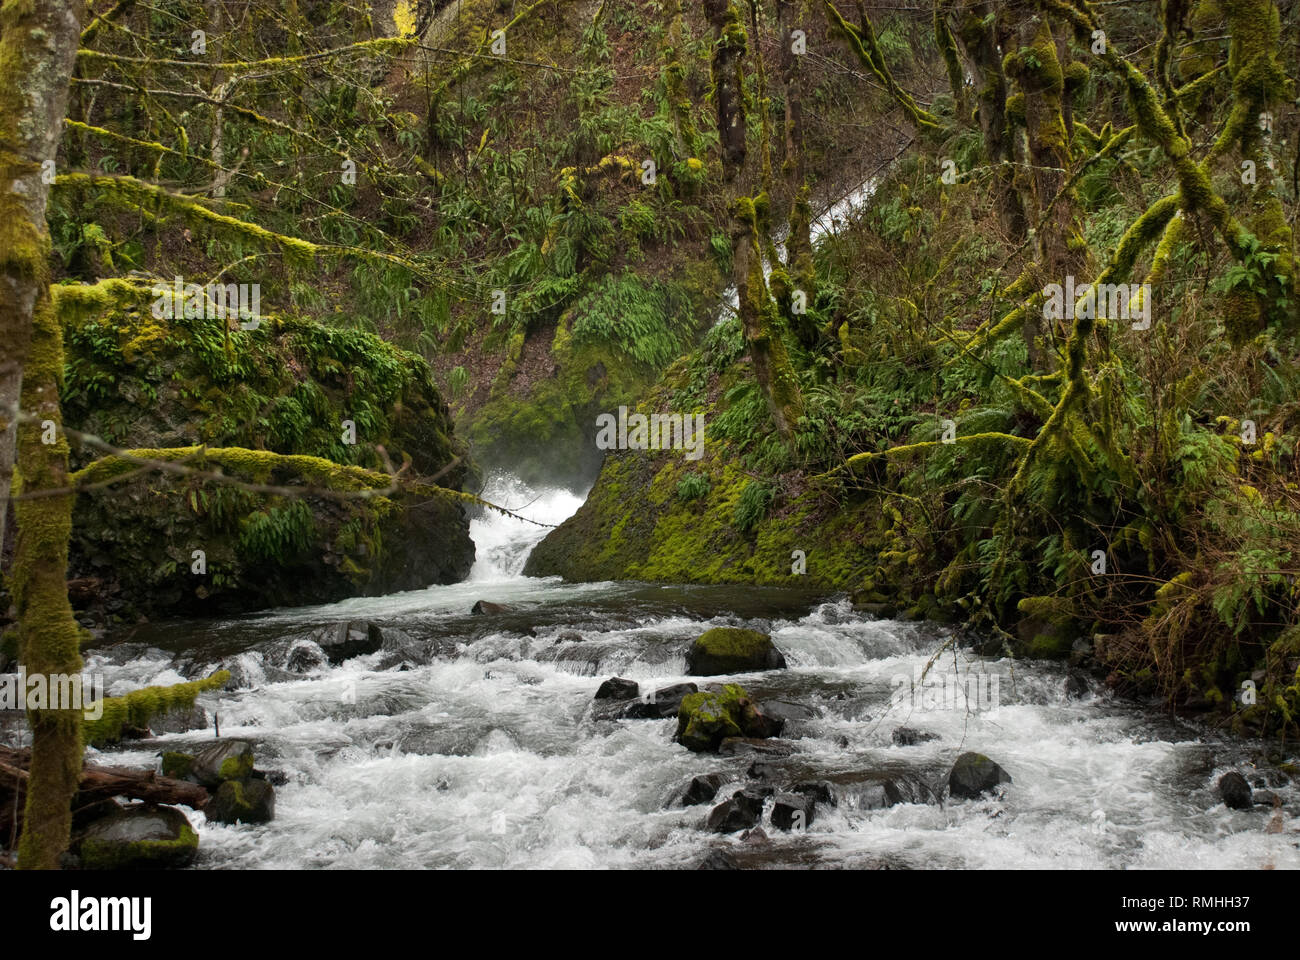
pixel 661 704
pixel 278 778
pixel 1235 791
pixel 1076 686
pixel 142 836
pixel 732 650
pixel 748 746
pixel 399 650
pixel 742 811
pixel 760 770
pixel 754 835
pixel 347 639
pixel 242 801
pixel 820 791
pixel 793 811
pixel 786 710
pixel 485 608
pixel 910 737
pixel 222 761
pixel 304 657
pixel 705 720
pixel 881 791
pixel 569 636
pixel 616 688
pixel 180 721
pixel 1265 798
pixel 718 860
pixel 974 774
pixel 177 765
pixel 702 788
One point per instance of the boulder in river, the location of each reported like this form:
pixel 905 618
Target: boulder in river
pixel 242 801
pixel 347 639
pixel 222 761
pixel 743 810
pixel 484 608
pixel 793 811
pixel 910 737
pixel 974 774
pixel 702 788
pixel 704 720
pixel 821 791
pixel 732 650
pixel 616 688
pixel 1235 792
pixel 142 836
pixel 751 746
pixel 718 860
pixel 661 704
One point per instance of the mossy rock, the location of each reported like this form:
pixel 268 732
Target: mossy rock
pixel 222 761
pixel 141 837
pixel 732 650
pixel 242 801
pixel 705 719
pixel 177 765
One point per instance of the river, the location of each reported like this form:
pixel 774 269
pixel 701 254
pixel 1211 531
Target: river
pixel 488 755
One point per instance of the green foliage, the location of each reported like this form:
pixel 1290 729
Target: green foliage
pixel 692 486
pixel 755 499
pixel 646 321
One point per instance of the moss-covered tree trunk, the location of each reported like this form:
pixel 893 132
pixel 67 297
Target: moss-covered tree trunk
pixel 1036 68
pixel 38 43
pixel 978 34
pixel 798 243
pixel 757 314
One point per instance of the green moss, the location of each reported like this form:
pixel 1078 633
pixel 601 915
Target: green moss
pixel 177 765
pixel 236 768
pixel 138 707
pixel 117 855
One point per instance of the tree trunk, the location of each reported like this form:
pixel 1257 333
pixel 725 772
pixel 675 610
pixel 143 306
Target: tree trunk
pixel 38 43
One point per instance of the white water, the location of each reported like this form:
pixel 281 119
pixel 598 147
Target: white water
pixel 488 756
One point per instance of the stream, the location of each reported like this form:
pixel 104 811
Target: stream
pixel 487 753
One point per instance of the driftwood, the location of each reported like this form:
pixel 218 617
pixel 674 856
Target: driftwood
pixel 97 785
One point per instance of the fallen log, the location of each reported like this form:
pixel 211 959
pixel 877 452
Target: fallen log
pixel 97 784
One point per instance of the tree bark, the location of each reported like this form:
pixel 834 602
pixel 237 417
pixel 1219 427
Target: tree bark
pixel 38 44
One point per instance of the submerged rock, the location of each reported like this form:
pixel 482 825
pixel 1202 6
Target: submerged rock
pixel 139 837
pixel 483 608
pixel 909 737
pixel 718 860
pixel 732 650
pixel 820 791
pixel 974 774
pixel 749 746
pixel 1235 792
pixel 705 720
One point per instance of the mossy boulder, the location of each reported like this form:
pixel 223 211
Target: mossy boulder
pixel 732 650
pixel 161 544
pixel 313 413
pixel 707 718
pixel 242 801
pixel 222 761
pixel 140 837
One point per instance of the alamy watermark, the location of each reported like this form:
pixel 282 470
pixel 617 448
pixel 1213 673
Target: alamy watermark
pixel 943 690
pixel 216 301
pixel 53 691
pixel 658 431
pixel 1100 301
